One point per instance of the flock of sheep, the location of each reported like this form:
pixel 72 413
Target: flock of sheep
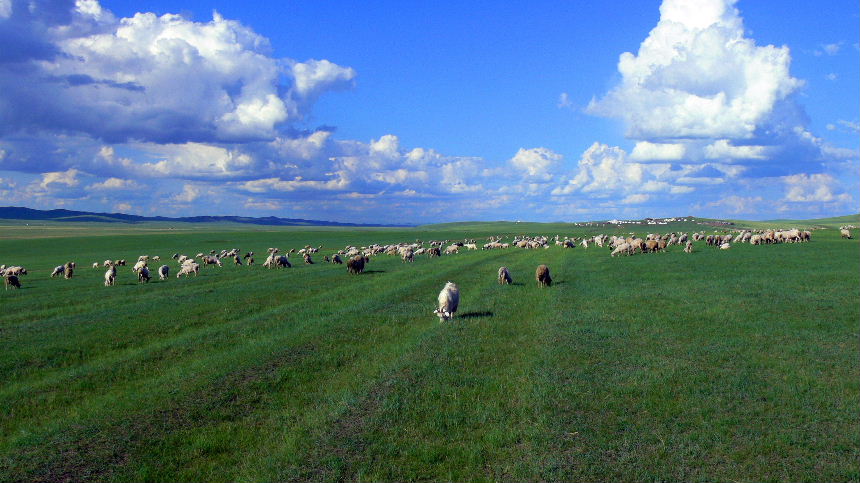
pixel 449 297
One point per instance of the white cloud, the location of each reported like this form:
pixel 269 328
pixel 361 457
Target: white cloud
pixel 163 79
pixel 122 207
pixel 564 101
pixel 723 149
pixel 188 195
pixel 806 188
pixel 697 76
pixel 537 163
pixel 635 199
pixel 646 151
pixel 114 184
pixel 317 76
pixel 68 178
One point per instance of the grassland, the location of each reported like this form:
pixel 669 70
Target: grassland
pixel 736 365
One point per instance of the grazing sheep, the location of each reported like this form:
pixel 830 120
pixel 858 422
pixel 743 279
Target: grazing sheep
pixel 120 263
pixel 355 265
pixel 137 266
pixel 326 259
pixel 688 248
pixel 143 275
pixel 11 281
pixel 58 270
pixel 188 269
pixel 95 264
pixel 237 260
pixel 163 272
pixel 282 261
pixel 407 255
pixel 504 276
pixel 107 263
pixel 156 258
pixel 336 259
pixel 435 252
pixel 542 276
pixel 69 269
pixel 845 233
pixel 621 248
pixel 725 246
pixel 210 260
pixel 110 276
pixel 308 260
pixel 448 300
pixel 250 261
pixel 452 249
pixel 15 270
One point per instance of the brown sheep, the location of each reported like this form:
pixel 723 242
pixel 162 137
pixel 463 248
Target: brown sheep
pixel 542 276
pixel 355 265
pixel 11 281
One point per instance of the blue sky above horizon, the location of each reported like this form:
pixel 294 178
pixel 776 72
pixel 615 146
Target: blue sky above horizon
pixel 397 113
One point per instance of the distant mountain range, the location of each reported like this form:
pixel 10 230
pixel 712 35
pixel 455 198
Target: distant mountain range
pixel 20 213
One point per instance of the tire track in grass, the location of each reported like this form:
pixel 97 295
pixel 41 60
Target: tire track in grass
pixel 474 374
pixel 184 346
pixel 138 324
pixel 81 442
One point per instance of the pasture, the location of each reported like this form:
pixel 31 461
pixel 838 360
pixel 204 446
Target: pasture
pixel 738 365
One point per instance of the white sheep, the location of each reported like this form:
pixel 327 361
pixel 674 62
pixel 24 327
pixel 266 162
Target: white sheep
pixel 110 276
pixel 163 272
pixel 621 248
pixel 448 300
pixel 58 270
pixel 725 246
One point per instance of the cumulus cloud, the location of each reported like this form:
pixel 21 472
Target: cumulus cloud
pixel 646 151
pixel 537 163
pixel 806 188
pixel 68 178
pixel 162 79
pixel 697 76
pixel 112 184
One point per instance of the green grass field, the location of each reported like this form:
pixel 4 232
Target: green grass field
pixel 738 365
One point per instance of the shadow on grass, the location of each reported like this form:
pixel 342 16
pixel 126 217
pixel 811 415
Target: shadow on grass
pixel 472 315
pixel 373 271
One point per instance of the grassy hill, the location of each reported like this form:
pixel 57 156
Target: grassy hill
pixel 739 364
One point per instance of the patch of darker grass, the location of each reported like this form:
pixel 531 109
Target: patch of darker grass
pixel 101 450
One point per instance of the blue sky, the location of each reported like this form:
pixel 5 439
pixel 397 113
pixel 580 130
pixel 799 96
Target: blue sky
pixel 432 112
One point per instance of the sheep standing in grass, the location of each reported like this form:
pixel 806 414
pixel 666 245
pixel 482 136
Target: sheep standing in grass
pixel 448 301
pixel 58 270
pixel 95 264
pixel 69 270
pixel 845 233
pixel 688 248
pixel 621 248
pixel 188 269
pixel 11 281
pixel 163 272
pixel 308 260
pixel 143 275
pixel 542 276
pixel 504 276
pixel 110 276
pixel 355 265
pixel 725 246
